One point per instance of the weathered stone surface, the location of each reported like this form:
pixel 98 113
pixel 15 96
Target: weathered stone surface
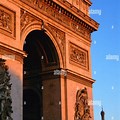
pixel 69 27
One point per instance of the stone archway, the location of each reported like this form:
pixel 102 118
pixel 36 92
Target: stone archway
pixel 39 65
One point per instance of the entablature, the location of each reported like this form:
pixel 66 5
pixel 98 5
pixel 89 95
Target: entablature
pixel 66 10
pixel 80 5
pixel 62 13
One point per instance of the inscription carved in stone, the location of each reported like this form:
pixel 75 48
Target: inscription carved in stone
pixel 82 109
pixel 7 21
pixel 78 55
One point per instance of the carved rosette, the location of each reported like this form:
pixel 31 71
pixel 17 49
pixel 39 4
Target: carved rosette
pixel 78 56
pixel 5 92
pixel 82 109
pixel 7 21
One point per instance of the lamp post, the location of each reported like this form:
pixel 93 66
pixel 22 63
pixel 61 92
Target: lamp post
pixel 102 115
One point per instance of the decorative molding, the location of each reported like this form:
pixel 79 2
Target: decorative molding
pixel 82 109
pixel 79 56
pixel 27 18
pixel 11 53
pixel 79 78
pixel 82 5
pixel 59 36
pixel 64 17
pixel 5 92
pixel 79 29
pixel 7 21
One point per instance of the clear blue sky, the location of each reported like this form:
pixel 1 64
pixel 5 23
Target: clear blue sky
pixel 105 52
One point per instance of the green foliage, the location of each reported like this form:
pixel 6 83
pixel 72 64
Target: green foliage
pixel 5 95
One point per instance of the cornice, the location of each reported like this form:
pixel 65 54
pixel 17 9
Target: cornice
pixel 62 13
pixel 78 15
pixel 72 13
pixel 71 74
pixel 12 48
pixel 9 50
pixel 88 2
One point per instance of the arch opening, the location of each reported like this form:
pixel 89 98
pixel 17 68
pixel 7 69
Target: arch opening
pixel 39 65
pixel 39 46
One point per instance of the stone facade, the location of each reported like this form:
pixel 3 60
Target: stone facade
pixel 68 25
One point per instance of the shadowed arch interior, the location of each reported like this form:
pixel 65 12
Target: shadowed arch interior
pixel 39 46
pixel 39 65
pixel 31 97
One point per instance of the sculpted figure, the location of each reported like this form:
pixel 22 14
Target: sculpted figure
pixel 82 109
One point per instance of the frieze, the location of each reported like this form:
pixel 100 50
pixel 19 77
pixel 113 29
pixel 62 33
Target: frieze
pixel 62 16
pixel 7 21
pixel 78 56
pixel 82 109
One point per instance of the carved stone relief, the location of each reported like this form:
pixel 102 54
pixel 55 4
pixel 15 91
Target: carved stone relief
pixel 49 8
pixel 80 30
pixel 26 18
pixel 59 36
pixel 7 21
pixel 82 109
pixel 78 56
pixel 5 92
